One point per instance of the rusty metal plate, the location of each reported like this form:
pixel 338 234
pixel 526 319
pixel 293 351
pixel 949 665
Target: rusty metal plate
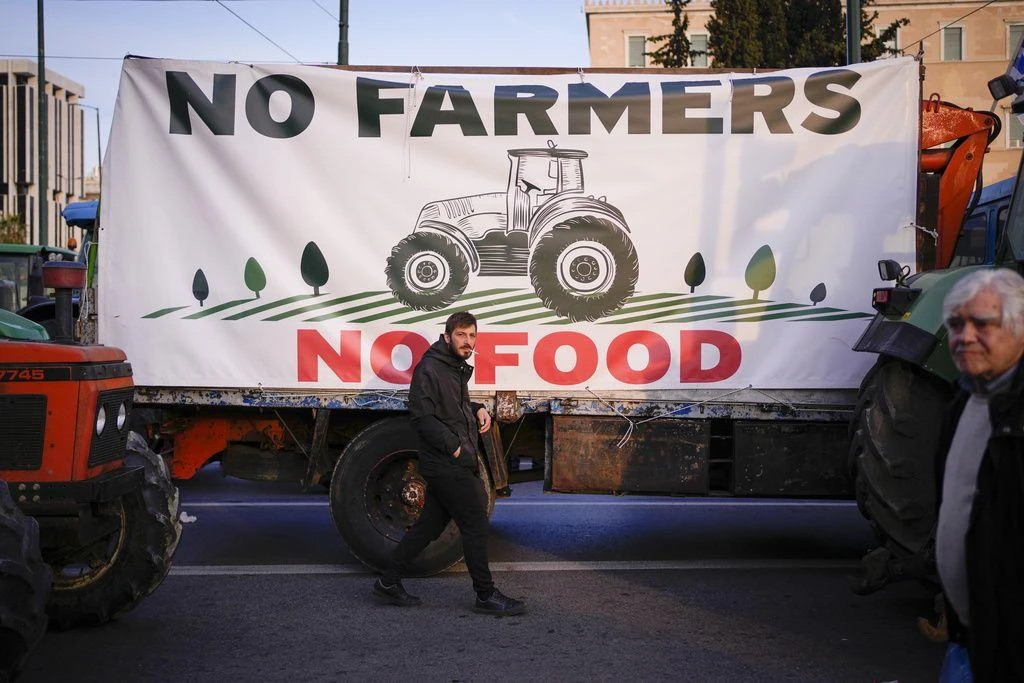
pixel 791 459
pixel 506 407
pixel 663 456
pixel 495 452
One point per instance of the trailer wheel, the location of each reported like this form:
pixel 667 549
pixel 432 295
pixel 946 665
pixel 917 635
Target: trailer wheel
pixel 96 582
pixel 892 454
pixel 24 586
pixel 377 494
pixel 427 271
pixel 584 268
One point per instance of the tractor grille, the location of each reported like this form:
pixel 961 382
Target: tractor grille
pixel 110 443
pixel 22 431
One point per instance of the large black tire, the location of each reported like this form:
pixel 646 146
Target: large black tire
pixel 893 449
pixel 377 494
pixel 427 271
pixel 95 583
pixel 584 268
pixel 24 586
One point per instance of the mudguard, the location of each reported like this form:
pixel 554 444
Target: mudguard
pixel 918 336
pixel 457 236
pixel 562 209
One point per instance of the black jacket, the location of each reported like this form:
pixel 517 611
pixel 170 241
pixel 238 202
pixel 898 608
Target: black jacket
pixel 441 411
pixel 995 541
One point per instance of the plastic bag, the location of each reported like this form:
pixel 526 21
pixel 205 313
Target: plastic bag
pixel 956 666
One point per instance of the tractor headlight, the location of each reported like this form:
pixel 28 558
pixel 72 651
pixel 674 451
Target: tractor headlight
pixel 101 420
pixel 122 416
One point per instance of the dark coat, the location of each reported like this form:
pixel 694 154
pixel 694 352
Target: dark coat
pixel 995 541
pixel 442 413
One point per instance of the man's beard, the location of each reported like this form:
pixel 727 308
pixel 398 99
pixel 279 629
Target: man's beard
pixel 455 350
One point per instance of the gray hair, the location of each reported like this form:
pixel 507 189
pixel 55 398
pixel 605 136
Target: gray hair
pixel 1007 284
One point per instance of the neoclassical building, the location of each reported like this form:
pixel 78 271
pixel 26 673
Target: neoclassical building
pixel 19 142
pixel 963 43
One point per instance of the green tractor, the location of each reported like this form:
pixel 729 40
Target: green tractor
pixel 21 269
pixel 903 398
pixel 21 280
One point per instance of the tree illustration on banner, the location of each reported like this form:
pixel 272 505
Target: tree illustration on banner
pixel 695 272
pixel 761 270
pixel 200 288
pixel 255 278
pixel 314 268
pixel 818 293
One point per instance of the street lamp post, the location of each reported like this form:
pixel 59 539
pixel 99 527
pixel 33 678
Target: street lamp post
pixel 99 148
pixel 343 32
pixel 853 31
pixel 44 153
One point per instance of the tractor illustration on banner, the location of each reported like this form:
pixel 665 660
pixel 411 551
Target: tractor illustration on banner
pixel 575 248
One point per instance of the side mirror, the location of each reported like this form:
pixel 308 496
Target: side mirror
pixel 889 270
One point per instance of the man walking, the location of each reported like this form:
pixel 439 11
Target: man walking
pixel 448 425
pixel 980 534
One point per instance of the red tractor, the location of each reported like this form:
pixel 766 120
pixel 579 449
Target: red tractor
pixel 88 514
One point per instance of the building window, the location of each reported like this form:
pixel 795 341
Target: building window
pixel 1014 130
pixel 952 44
pixel 699 49
pixel 636 51
pixel 1013 33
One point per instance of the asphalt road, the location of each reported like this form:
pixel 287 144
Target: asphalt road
pixel 617 588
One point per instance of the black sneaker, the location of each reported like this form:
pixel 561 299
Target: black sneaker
pixel 499 605
pixel 395 595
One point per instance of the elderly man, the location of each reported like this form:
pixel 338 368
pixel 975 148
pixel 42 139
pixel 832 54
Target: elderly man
pixel 980 534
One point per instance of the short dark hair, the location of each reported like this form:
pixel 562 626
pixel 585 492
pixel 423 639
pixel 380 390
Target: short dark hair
pixel 459 319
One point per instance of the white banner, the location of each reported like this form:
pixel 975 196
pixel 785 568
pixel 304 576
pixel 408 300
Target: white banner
pixel 307 227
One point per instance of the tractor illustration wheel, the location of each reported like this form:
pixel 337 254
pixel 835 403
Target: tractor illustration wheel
pixel 427 271
pixel 584 269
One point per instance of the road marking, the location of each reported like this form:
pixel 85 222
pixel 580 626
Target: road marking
pixel 631 502
pixel 559 566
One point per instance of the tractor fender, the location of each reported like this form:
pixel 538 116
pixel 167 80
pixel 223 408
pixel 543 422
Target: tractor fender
pixel 918 336
pixel 455 234
pixel 560 210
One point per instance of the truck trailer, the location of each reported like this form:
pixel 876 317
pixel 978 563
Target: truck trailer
pixel 669 268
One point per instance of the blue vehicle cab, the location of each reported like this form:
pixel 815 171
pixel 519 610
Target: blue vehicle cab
pixel 983 226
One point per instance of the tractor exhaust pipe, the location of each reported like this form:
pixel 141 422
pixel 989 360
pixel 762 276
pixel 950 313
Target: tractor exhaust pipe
pixel 64 277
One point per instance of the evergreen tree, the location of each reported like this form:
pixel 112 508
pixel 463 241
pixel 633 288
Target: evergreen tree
pixel 818 293
pixel 817 33
pixel 874 46
pixel 791 33
pixel 255 278
pixel 760 272
pixel 674 50
pixel 733 34
pixel 200 287
pixel 772 33
pixel 313 267
pixel 695 272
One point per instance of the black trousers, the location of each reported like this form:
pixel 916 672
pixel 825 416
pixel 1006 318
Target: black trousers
pixel 457 495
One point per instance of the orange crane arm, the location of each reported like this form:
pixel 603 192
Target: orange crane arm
pixel 953 145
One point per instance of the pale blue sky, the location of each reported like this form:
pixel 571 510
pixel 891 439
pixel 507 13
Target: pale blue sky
pixel 86 39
